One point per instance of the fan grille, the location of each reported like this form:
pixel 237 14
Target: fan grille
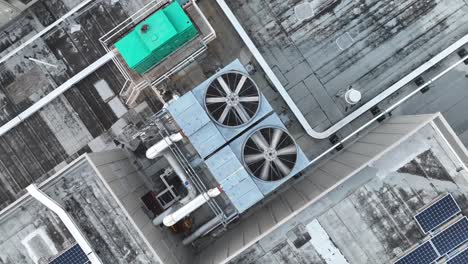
pixel 232 99
pixel 270 154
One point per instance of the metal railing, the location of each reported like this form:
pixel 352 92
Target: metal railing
pixel 132 88
pixel 192 174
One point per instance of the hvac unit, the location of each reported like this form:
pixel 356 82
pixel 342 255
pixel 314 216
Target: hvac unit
pixel 269 154
pixel 257 163
pixel 232 100
pixel 219 109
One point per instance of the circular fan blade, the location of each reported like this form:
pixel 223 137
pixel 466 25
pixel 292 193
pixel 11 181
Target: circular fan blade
pixel 232 99
pixel 270 154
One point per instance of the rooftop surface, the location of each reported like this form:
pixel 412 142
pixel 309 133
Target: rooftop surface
pixel 83 114
pixel 32 226
pixel 370 218
pixel 367 45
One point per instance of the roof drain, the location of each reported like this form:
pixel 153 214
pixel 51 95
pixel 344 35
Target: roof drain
pixel 162 149
pixel 67 221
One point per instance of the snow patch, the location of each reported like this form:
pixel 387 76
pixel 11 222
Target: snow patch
pixel 324 245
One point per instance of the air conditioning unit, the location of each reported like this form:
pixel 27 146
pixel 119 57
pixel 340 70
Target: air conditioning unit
pixel 232 100
pixel 257 163
pixel 269 154
pixel 246 147
pixel 219 109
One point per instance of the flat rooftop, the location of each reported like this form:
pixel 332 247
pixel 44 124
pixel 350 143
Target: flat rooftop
pixel 369 218
pixel 30 231
pixel 367 46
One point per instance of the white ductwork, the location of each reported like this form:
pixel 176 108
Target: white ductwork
pixel 67 221
pixel 162 149
pixel 159 148
pixel 180 172
pixel 193 205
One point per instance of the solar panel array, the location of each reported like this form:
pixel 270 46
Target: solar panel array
pixel 461 258
pixel 452 237
pixel 437 214
pixel 423 254
pixel 74 255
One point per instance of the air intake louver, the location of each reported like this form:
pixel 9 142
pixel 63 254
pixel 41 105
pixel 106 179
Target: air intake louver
pixel 232 99
pixel 270 154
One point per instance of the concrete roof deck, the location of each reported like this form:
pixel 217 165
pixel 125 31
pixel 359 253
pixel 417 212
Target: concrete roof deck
pixel 80 191
pixel 387 40
pixel 369 218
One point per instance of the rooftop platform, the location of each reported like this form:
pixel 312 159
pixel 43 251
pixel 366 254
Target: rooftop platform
pixel 340 45
pixel 365 217
pixel 30 231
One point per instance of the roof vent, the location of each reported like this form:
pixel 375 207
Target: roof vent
pixel 145 28
pixel 304 11
pixel 232 99
pixel 270 154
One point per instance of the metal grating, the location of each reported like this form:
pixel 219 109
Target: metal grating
pixel 74 255
pixel 452 237
pixel 423 254
pixel 437 214
pixel 460 258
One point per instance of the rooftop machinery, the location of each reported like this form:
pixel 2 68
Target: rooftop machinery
pixel 156 37
pixel 241 140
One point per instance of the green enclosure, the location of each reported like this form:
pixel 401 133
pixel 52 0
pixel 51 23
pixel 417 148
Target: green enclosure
pixel 155 38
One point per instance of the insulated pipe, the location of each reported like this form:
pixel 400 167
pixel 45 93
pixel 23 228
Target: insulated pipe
pixel 161 149
pixel 159 219
pixel 158 148
pixel 180 172
pixel 56 93
pixel 193 205
pixel 45 30
pixel 67 221
pixel 202 230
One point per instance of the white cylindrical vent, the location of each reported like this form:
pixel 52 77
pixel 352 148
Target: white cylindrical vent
pixel 353 96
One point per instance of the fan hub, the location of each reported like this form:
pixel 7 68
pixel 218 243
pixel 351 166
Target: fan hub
pixel 270 154
pixel 232 99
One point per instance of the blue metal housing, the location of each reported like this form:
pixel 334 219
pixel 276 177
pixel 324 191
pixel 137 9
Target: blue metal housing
pixel 196 125
pixel 238 144
pixel 231 132
pixel 234 179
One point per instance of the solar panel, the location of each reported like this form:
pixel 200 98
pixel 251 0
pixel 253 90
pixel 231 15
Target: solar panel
pixel 452 237
pixel 74 255
pixel 437 214
pixel 460 258
pixel 424 254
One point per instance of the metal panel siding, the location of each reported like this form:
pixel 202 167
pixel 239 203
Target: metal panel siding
pixel 234 179
pixel 223 164
pixel 206 140
pixel 188 114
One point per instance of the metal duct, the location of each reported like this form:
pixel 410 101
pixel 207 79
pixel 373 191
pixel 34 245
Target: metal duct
pixel 193 205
